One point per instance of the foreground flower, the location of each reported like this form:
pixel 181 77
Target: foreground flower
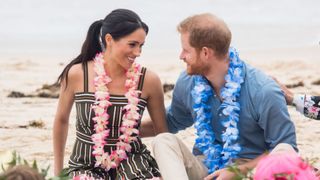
pixel 284 166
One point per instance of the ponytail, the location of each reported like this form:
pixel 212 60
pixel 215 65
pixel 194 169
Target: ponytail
pixel 90 48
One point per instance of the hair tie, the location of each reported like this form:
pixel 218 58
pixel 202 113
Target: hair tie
pixel 100 39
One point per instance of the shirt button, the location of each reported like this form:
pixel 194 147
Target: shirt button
pixel 220 114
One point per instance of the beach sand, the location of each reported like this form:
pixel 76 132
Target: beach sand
pixel 27 75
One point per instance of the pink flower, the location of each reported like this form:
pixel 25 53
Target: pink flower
pixel 104 161
pixel 121 154
pixel 283 166
pixel 102 119
pixel 97 109
pixel 105 103
pixel 102 80
pixel 129 123
pixel 124 146
pixel 313 109
pixel 101 94
pixel 99 137
pixel 130 83
pixel 129 131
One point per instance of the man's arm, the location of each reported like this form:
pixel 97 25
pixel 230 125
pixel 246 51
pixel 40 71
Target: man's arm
pixel 178 114
pixel 274 118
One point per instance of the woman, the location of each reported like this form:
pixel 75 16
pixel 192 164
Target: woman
pixel 110 91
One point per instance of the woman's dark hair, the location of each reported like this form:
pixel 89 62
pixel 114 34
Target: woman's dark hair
pixel 119 23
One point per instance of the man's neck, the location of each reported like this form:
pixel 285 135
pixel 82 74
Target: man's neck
pixel 217 74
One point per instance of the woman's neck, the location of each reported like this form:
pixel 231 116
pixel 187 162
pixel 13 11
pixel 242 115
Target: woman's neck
pixel 113 69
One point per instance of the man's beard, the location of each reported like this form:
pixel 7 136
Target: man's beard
pixel 197 69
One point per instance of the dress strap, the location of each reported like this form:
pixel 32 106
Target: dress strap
pixel 85 77
pixel 141 80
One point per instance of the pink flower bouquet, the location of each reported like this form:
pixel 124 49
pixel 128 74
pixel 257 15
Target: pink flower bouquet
pixel 283 167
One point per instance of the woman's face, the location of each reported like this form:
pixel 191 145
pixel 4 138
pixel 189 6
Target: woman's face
pixel 125 50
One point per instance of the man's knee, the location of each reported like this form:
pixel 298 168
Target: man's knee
pixel 283 148
pixel 164 139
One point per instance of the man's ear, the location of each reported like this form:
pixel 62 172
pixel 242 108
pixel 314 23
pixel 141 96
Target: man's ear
pixel 206 52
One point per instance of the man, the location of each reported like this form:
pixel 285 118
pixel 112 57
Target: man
pixel 238 112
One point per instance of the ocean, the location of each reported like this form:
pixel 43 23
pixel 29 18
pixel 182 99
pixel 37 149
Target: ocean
pixel 56 29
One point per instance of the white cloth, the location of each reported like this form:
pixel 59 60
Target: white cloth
pixel 175 160
pixel 298 102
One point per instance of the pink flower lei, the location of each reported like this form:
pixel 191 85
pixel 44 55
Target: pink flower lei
pixel 101 119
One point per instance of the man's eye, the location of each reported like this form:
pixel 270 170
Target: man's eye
pixel 132 45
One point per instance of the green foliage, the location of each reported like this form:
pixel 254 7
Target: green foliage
pixel 238 174
pixel 17 160
pixel 62 176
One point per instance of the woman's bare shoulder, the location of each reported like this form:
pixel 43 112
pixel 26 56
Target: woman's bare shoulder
pixel 152 83
pixel 151 77
pixel 75 72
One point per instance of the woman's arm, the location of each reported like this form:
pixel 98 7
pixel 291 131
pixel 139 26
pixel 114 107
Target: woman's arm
pixel 156 109
pixel 308 105
pixel 61 121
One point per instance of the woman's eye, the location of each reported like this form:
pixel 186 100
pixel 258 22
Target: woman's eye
pixel 132 45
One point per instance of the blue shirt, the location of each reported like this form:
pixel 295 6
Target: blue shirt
pixel 264 118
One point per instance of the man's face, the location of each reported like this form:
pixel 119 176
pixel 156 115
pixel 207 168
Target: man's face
pixel 190 56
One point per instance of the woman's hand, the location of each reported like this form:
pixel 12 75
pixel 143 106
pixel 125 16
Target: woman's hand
pixel 287 93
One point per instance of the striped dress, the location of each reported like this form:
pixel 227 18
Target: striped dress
pixel 139 165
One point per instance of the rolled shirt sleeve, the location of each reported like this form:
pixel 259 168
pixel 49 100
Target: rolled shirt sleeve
pixel 178 114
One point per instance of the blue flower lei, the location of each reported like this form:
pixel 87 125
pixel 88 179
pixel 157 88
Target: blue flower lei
pixel 216 156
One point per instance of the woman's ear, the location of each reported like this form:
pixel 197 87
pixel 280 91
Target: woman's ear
pixel 108 38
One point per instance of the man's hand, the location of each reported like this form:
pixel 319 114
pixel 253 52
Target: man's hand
pixel 225 174
pixel 221 174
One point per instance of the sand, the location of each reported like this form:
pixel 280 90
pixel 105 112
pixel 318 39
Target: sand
pixel 27 74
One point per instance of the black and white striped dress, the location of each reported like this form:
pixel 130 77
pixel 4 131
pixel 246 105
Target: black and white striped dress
pixel 139 165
